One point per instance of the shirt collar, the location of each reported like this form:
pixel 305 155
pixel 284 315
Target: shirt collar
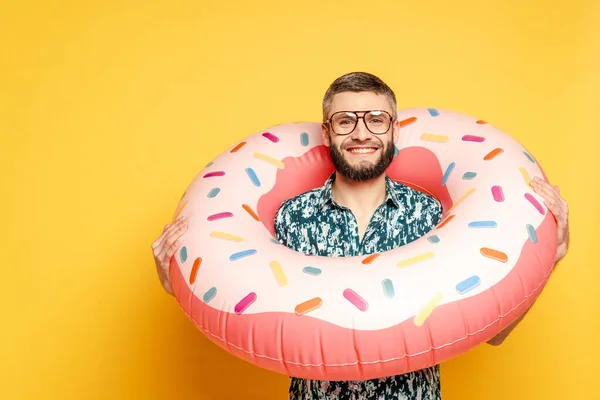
pixel 326 195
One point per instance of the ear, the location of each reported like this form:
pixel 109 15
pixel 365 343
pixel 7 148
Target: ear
pixel 325 135
pixel 396 131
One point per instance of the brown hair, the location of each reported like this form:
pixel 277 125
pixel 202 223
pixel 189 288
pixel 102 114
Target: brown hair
pixel 357 82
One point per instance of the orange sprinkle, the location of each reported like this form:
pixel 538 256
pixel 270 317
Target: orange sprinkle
pixel 180 210
pixel 481 122
pixel 493 154
pixel 239 146
pixel 444 222
pixel 494 254
pixel 369 259
pixel 407 121
pixel 195 270
pixel 461 199
pixel 309 305
pixel 250 211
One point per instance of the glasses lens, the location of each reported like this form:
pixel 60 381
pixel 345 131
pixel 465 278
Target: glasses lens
pixel 343 122
pixel 378 121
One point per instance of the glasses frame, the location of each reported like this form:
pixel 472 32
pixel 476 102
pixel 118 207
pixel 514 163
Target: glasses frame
pixel 358 118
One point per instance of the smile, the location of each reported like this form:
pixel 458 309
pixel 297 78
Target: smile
pixel 362 150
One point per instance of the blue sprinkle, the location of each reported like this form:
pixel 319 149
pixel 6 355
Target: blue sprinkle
pixel 388 288
pixel 396 151
pixel 213 192
pixel 433 112
pixel 448 172
pixel 483 224
pixel 241 254
pixel 183 254
pixel 252 176
pixel 531 233
pixel 529 157
pixel 304 139
pixel 469 175
pixel 311 271
pixel 209 164
pixel 209 295
pixel 274 241
pixel 468 284
pixel 433 239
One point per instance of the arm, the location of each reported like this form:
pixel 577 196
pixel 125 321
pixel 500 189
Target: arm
pixel 559 208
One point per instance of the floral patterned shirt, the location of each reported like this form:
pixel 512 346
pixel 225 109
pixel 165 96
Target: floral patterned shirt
pixel 313 223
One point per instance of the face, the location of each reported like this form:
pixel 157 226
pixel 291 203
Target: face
pixel 361 155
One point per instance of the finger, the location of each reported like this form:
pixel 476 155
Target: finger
pixel 169 229
pixel 168 252
pixel 171 242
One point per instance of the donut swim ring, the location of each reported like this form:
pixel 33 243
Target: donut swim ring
pixel 356 318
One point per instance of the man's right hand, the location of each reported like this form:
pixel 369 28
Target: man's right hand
pixel 165 246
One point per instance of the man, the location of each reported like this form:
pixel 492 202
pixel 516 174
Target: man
pixel 359 211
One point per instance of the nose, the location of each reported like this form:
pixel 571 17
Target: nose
pixel 361 133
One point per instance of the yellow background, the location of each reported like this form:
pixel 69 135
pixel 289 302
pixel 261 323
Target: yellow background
pixel 109 109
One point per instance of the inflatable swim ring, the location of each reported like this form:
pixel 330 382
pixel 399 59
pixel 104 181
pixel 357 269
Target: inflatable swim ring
pixel 354 318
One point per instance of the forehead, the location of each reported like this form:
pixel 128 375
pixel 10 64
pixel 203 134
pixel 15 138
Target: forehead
pixel 361 101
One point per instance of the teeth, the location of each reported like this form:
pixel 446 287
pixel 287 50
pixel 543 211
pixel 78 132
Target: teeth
pixel 362 151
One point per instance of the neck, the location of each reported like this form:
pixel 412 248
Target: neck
pixel 363 196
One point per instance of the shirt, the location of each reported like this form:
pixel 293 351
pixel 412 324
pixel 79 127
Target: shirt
pixel 314 223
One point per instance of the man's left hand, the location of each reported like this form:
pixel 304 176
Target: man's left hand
pixel 559 208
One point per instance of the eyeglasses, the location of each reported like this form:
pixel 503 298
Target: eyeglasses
pixel 377 122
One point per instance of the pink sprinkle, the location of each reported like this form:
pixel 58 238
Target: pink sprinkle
pixel 471 138
pixel 216 173
pixel 245 303
pixel 219 216
pixel 356 300
pixel 498 193
pixel 535 203
pixel 271 137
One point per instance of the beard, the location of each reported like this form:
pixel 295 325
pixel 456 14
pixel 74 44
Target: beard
pixel 363 171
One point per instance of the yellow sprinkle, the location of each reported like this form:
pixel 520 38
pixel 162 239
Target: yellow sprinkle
pixel 180 210
pixel 269 159
pixel 278 272
pixel 226 236
pixel 525 176
pixel 464 196
pixel 415 259
pixel 428 309
pixel 432 137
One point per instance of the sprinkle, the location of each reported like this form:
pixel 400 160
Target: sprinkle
pixel 445 221
pixel 312 271
pixel 250 211
pixel 481 122
pixel 271 137
pixel 252 176
pixel 483 224
pixel 472 138
pixel 209 295
pixel 239 146
pixel 183 195
pixel 525 176
pixel 535 203
pixel 278 273
pixel 274 241
pixel 432 137
pixel 461 199
pixel 529 157
pixel 416 259
pixel 183 254
pixel 356 300
pixel 245 303
pixel 531 232
pixel 180 210
pixel 407 121
pixel 396 151
pixel 209 164
pixel 270 160
pixel 433 239
pixel 369 259
pixel 428 309
pixel 304 139
pixel 494 254
pixel 242 254
pixel 388 288
pixel 213 192
pixel 219 216
pixel 448 172
pixel 308 306
pixel 492 154
pixel 469 175
pixel 226 236
pixel 195 268
pixel 433 112
pixel 498 194
pixel 468 284
pixel 215 173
